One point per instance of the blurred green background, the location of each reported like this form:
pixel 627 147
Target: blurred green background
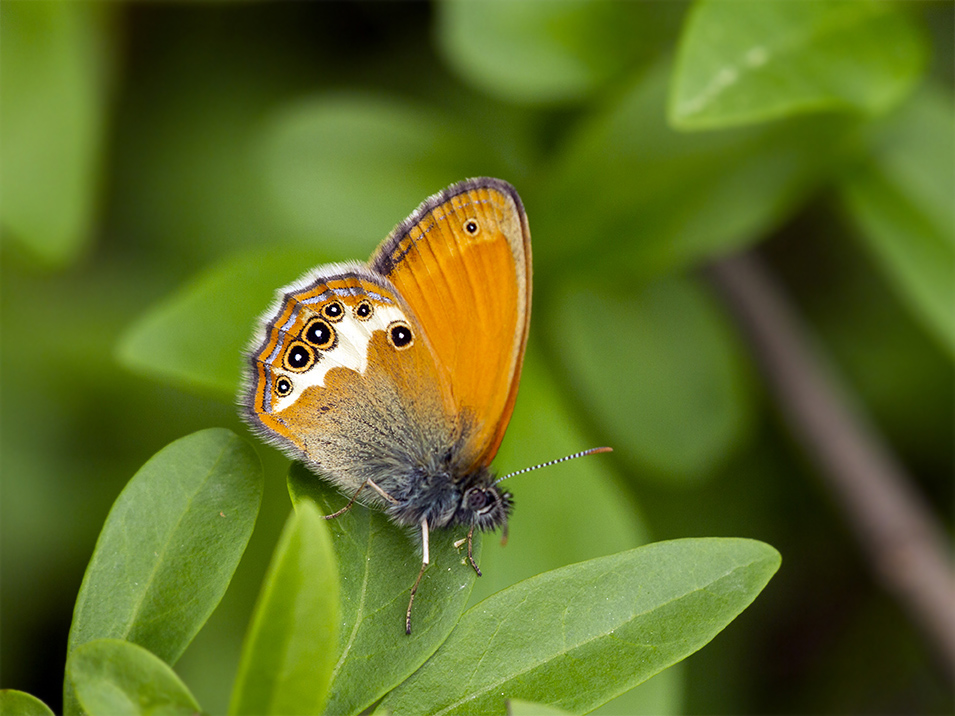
pixel 166 166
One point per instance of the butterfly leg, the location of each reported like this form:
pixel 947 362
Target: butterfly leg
pixel 471 550
pixel 366 483
pixel 425 559
pixel 470 540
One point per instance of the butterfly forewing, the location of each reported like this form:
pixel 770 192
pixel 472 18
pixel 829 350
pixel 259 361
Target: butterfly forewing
pixel 462 263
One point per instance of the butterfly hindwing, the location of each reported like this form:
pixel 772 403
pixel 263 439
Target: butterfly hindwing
pixel 341 368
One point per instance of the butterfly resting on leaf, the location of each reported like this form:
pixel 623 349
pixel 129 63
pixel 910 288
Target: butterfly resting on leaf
pixel 396 379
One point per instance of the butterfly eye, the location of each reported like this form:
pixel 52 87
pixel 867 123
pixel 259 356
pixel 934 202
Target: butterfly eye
pixel 400 335
pixel 319 334
pixel 476 499
pixel 299 357
pixel 472 227
pixel 283 387
pixel 333 311
pixel 363 311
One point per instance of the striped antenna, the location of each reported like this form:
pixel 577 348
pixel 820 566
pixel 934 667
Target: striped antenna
pixel 592 451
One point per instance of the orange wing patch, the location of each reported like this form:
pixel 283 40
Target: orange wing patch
pixel 462 264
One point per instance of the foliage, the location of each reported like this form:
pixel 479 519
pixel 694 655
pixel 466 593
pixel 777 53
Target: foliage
pixel 165 167
pixel 168 549
pixel 288 658
pixel 575 637
pixel 118 677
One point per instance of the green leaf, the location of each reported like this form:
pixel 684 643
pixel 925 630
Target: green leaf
pixel 57 63
pixel 170 545
pixel 20 703
pixel 752 61
pixel 576 637
pixel 378 563
pixel 196 336
pixel 659 369
pixel 349 168
pixel 557 509
pixel 629 196
pixel 549 52
pixel 117 678
pixel 901 201
pixel 517 707
pixel 290 648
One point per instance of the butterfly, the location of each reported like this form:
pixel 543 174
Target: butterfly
pixel 395 380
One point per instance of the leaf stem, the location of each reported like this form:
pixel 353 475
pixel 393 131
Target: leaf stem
pixel 904 542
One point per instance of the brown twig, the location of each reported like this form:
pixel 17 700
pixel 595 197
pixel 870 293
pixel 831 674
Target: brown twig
pixel 904 543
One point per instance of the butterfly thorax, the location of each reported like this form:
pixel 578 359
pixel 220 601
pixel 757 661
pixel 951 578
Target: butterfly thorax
pixel 447 497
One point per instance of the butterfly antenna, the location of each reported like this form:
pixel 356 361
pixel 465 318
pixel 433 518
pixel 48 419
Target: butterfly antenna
pixel 592 451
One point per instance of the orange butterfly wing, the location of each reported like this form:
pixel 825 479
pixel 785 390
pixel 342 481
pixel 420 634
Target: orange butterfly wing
pixel 462 263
